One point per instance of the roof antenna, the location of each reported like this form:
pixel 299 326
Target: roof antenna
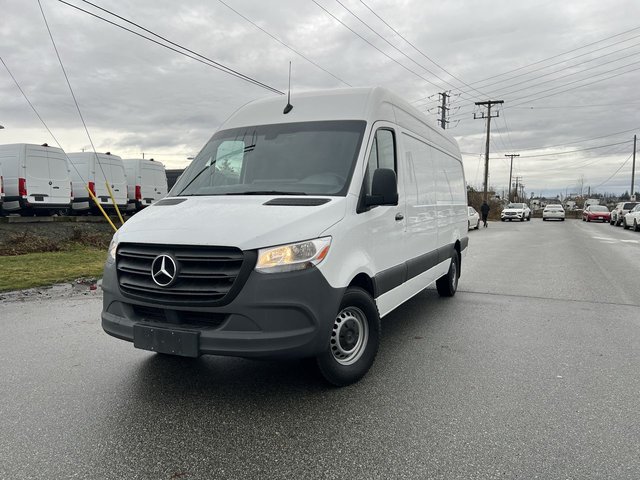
pixel 289 107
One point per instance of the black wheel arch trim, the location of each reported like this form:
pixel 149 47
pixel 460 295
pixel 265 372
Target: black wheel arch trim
pixel 395 276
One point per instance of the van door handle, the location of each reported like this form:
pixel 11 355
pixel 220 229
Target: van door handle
pixel 399 216
pixel 56 188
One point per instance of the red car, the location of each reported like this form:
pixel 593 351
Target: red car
pixel 596 212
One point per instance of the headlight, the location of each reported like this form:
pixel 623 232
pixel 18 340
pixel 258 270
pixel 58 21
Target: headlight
pixel 295 256
pixel 113 246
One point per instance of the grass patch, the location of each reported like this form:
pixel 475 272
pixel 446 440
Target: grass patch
pixel 39 269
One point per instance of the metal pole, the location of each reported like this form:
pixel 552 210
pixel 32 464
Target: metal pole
pixel 511 171
pixel 486 154
pixel 633 168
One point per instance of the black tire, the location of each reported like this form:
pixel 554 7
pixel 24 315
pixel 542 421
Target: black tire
pixel 624 224
pixel 635 226
pixel 529 218
pixel 447 285
pixel 562 219
pixel 544 219
pixel 502 219
pixel 477 224
pixel 468 225
pixel 351 352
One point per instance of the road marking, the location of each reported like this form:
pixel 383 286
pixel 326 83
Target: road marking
pixel 615 240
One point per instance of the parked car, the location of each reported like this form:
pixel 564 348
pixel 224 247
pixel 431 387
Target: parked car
pixel 474 219
pixel 516 211
pixel 619 211
pixel 301 241
pixel 146 182
pixel 595 213
pixel 553 212
pixel 36 179
pixel 632 219
pixel 92 171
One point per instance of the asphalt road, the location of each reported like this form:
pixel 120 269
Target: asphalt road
pixel 530 371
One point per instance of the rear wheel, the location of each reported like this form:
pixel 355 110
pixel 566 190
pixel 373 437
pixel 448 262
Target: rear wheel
pixel 635 226
pixel 448 284
pixel 354 340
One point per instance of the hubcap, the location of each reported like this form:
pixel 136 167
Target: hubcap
pixel 349 336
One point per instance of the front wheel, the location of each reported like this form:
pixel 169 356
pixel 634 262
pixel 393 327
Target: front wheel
pixel 635 226
pixel 448 284
pixel 478 224
pixel 354 340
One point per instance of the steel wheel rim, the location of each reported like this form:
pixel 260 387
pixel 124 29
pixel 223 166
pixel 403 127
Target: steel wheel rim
pixel 349 336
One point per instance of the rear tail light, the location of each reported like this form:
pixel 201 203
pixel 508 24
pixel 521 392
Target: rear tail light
pixel 22 187
pixel 92 188
pixel 138 193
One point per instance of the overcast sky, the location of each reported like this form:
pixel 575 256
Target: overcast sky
pixel 567 71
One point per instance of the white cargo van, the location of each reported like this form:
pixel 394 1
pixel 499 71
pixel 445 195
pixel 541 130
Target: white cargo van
pixel 36 179
pixel 94 170
pixel 146 182
pixel 291 234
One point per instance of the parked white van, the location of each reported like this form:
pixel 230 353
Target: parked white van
pixel 292 234
pixel 94 170
pixel 146 182
pixel 36 179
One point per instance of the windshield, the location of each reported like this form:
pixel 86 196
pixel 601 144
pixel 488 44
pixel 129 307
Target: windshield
pixel 516 205
pixel 310 158
pixel 599 208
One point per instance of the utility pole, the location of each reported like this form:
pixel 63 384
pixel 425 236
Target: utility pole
pixel 633 169
pixel 511 170
pixel 517 188
pixel 443 110
pixel 486 154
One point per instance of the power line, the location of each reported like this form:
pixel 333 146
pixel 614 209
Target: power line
pixel 394 47
pixel 420 51
pixel 615 173
pixel 207 61
pixel 559 55
pixel 284 44
pixel 372 45
pixel 564 62
pixel 75 101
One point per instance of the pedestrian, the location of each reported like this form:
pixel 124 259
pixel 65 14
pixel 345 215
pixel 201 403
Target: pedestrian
pixel 485 213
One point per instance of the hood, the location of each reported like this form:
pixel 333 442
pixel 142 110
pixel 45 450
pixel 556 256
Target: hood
pixel 236 221
pixel 513 210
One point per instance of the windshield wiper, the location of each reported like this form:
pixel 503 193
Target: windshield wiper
pixel 265 192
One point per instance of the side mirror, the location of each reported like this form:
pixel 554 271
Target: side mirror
pixel 384 188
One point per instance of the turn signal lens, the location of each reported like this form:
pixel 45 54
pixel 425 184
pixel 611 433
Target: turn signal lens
pixel 295 256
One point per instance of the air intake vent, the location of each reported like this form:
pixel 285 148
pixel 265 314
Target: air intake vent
pixel 208 276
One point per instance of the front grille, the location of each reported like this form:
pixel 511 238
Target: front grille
pixel 204 276
pixel 183 318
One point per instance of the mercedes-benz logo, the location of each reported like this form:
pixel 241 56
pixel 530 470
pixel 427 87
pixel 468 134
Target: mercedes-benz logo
pixel 164 270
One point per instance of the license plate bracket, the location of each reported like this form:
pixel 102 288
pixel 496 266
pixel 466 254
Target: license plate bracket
pixel 163 340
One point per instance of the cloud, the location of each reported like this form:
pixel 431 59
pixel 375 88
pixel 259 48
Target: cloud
pixel 138 97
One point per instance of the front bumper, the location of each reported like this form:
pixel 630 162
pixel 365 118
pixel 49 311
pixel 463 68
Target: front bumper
pixel 283 315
